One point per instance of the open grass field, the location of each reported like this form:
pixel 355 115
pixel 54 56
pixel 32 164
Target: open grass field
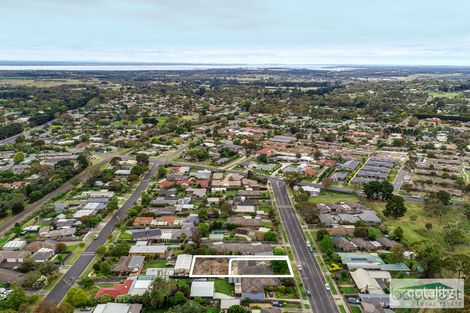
pixel 413 225
pixel 44 83
pixel 332 197
pixel 444 94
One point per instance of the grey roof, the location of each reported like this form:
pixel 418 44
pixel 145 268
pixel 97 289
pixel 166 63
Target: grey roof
pixel 349 165
pixel 136 261
pixel 147 234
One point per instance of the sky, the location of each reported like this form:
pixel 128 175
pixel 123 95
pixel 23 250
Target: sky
pixel 408 32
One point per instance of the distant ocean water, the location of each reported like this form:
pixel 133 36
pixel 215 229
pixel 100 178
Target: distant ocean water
pixel 12 66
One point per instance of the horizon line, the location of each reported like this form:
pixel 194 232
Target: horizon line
pixel 144 63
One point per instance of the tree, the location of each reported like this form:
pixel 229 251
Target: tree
pixel 428 226
pixel 269 236
pixel 237 309
pixel 196 237
pixel 413 121
pixel 161 171
pixel 444 197
pixel 142 159
pixel 430 259
pixel 292 178
pixel 453 234
pixel 115 161
pixel 280 267
pixel 189 307
pixel 18 157
pixel 15 299
pixel 458 264
pixel 395 207
pixel 119 249
pixel 17 203
pixel 263 158
pixel 83 161
pixel 27 265
pixel 61 247
pixel 52 307
pixel 77 297
pixel 396 253
pixel 398 233
pixel 178 298
pixel 379 190
pixel 30 278
pixel 321 233
pixel 204 228
pixel 85 282
pixel 361 232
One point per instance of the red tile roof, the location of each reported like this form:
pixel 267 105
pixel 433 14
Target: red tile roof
pixel 264 151
pixel 116 290
pixel 143 220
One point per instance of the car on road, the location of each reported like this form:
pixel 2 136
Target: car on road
pixel 309 294
pixel 300 268
pixel 327 286
pixel 85 309
pixel 310 249
pixel 96 236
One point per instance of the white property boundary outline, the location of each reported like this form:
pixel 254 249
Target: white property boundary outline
pixel 232 258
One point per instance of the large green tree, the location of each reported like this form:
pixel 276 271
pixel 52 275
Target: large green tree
pixel 395 207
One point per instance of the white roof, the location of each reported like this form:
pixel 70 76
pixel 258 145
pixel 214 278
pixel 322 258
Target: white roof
pixel 204 289
pixel 122 172
pixel 112 308
pixel 227 303
pixel 367 280
pixel 142 284
pixel 91 206
pixel 183 261
pixel 148 249
pixel 81 213
pixel 14 244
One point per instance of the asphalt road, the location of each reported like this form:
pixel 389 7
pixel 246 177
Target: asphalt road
pixel 321 300
pixel 399 180
pixel 60 289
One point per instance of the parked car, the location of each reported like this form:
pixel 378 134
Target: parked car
pixel 309 294
pixel 327 286
pixel 353 300
pixel 277 304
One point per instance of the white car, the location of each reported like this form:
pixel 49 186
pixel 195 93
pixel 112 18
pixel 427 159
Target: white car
pixel 96 236
pixel 327 286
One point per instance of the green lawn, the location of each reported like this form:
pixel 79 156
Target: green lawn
pixel 348 290
pixel 72 248
pixel 125 236
pixel 155 264
pixel 444 94
pixel 332 197
pixel 341 308
pixel 355 309
pixel 223 286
